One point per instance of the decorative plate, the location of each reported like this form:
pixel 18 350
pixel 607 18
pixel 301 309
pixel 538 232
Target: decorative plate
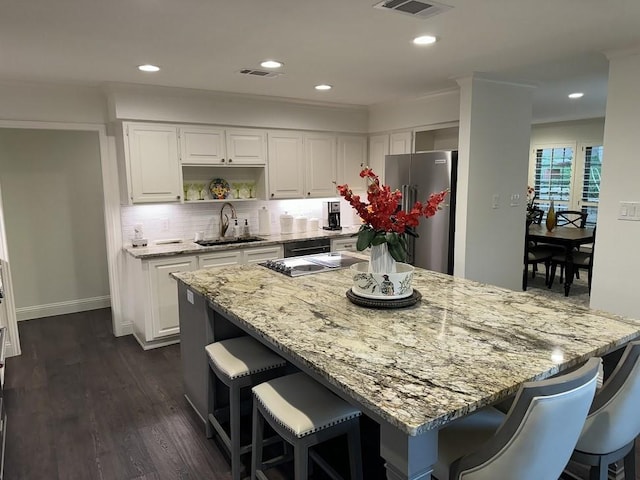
pixel 219 189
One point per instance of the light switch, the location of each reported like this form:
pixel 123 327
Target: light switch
pixel 515 200
pixel 629 211
pixel 495 200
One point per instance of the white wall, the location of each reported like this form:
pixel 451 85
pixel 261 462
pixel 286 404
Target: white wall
pixel 196 106
pixel 616 257
pixel 408 114
pixel 54 214
pixel 579 131
pixel 495 120
pixel 52 103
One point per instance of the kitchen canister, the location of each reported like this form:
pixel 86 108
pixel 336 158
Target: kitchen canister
pixel 314 224
pixel 300 224
pixel 286 223
pixel 264 221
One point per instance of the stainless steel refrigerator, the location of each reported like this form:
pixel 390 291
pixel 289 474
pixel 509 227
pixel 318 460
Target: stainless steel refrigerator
pixel 417 175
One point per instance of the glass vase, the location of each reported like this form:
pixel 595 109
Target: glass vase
pixel 551 217
pixel 381 260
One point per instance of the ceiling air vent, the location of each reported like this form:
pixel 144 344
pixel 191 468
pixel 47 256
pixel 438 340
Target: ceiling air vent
pixel 413 7
pixel 258 73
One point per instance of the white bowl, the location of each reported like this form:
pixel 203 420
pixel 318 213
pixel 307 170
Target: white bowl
pixel 380 286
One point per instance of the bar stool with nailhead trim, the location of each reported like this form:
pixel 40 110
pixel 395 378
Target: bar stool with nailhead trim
pixel 304 414
pixel 238 363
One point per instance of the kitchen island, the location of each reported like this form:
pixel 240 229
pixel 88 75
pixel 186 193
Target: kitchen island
pixel 465 345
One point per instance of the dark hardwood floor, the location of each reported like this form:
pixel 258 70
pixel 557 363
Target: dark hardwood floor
pixel 83 404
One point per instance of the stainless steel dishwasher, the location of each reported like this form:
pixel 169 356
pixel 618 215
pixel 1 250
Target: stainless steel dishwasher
pixel 307 247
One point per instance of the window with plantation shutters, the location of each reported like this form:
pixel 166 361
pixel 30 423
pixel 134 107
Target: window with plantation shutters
pixel 570 179
pixel 553 174
pixel 590 195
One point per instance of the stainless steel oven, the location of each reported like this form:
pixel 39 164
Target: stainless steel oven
pixel 307 247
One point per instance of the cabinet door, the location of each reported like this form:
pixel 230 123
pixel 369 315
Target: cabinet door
pixel 246 147
pixel 352 157
pixel 164 294
pixel 286 165
pixel 154 166
pixel 320 165
pixel 378 149
pixel 202 146
pixel 261 254
pixel 401 142
pixel 343 244
pixel 220 259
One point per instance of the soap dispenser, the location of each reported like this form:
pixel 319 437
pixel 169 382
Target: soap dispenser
pixel 245 228
pixel 235 232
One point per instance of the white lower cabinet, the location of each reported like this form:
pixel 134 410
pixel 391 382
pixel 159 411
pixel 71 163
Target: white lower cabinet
pixel 164 294
pixel 220 259
pixel 151 298
pixel 261 254
pixel 344 244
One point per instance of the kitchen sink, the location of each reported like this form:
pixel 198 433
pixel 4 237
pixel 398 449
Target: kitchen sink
pixel 228 241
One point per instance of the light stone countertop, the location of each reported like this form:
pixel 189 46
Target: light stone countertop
pixel 189 247
pixel 465 345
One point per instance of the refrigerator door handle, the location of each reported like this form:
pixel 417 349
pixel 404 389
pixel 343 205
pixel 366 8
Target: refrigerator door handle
pixel 406 194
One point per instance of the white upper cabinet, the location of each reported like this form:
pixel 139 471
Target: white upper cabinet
pixel 220 147
pixel 246 147
pixel 202 146
pixel 320 164
pixel 352 158
pixel 286 165
pixel 401 142
pixel 378 149
pixel 152 165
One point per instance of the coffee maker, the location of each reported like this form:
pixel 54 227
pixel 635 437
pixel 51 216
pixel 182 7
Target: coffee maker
pixel 331 216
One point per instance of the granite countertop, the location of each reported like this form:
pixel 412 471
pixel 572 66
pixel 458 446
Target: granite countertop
pixel 189 247
pixel 463 346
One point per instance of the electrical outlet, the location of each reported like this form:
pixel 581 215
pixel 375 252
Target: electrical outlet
pixel 495 200
pixel 164 224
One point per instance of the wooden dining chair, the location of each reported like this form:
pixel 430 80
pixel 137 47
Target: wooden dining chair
pixel 571 218
pixel 580 260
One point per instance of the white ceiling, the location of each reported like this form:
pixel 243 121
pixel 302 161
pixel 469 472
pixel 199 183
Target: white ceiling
pixel 365 53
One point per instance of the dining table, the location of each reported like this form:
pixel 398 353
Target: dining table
pixel 463 346
pixel 570 238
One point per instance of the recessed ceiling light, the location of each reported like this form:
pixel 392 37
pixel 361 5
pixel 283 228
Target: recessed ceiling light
pixel 576 95
pixel 425 40
pixel 271 64
pixel 148 68
pixel 323 87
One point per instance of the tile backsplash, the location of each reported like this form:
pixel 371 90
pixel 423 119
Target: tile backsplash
pixel 165 221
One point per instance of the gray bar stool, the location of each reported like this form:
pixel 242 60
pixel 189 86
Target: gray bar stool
pixel 304 414
pixel 238 363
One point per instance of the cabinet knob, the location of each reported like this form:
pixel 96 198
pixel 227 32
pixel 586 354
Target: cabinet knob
pixel 230 160
pixel 273 194
pixel 308 193
pixel 178 197
pixel 222 160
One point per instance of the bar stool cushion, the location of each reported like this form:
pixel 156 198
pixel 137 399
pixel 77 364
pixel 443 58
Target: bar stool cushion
pixel 301 405
pixel 242 356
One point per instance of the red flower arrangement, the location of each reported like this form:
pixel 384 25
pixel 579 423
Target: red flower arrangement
pixel 384 221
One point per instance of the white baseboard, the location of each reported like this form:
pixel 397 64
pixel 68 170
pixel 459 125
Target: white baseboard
pixel 126 329
pixel 62 308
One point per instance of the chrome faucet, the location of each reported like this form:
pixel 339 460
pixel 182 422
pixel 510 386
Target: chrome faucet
pixel 224 222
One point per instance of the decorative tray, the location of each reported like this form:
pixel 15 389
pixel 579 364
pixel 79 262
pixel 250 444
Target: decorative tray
pixel 392 303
